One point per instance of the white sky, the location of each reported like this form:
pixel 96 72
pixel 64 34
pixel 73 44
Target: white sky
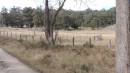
pixel 70 4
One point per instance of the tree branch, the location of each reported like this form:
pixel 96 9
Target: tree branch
pixel 57 12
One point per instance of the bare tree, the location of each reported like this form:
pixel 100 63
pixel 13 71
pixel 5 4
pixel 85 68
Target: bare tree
pixel 123 36
pixel 49 24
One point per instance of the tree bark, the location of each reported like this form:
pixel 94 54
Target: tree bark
pixel 123 34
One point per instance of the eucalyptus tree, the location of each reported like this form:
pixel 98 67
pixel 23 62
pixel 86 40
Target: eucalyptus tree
pixel 4 16
pixel 27 16
pixel 38 17
pixel 123 36
pixel 15 17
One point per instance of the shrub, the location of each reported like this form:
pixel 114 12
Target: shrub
pixel 88 45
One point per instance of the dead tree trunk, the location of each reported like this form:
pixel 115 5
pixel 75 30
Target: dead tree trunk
pixel 123 37
pixel 49 24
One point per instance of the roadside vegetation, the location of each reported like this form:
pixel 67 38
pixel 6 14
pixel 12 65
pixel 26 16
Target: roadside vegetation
pixel 47 56
pixel 61 59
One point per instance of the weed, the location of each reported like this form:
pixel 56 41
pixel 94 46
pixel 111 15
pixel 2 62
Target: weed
pixel 88 45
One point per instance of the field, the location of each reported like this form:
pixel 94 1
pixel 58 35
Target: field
pixel 98 37
pixel 62 59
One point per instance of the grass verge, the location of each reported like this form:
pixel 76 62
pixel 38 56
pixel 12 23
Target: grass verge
pixel 61 59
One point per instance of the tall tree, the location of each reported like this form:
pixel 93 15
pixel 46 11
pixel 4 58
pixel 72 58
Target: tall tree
pixel 27 16
pixel 15 17
pixel 4 13
pixel 49 24
pixel 38 17
pixel 123 36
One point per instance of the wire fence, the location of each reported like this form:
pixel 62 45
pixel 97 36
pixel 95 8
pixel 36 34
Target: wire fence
pixel 71 39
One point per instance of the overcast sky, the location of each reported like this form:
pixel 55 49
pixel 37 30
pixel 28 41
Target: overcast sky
pixel 70 4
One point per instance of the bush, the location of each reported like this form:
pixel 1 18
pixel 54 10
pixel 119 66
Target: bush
pixel 87 68
pixel 75 26
pixel 87 44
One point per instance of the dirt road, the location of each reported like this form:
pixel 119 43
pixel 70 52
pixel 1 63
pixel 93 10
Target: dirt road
pixel 10 64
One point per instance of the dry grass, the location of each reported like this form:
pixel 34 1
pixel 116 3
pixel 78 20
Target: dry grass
pixel 63 59
pixel 65 37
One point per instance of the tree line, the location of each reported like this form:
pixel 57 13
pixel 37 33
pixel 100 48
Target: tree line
pixel 34 17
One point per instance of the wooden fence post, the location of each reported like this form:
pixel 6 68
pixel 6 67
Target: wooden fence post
pixel 11 34
pixel 59 40
pixel 16 36
pixel 90 42
pixel 34 32
pixel 33 38
pixel 73 41
pixel 0 33
pixel 4 33
pixel 40 37
pixel 7 33
pixel 94 37
pixel 110 44
pixel 20 36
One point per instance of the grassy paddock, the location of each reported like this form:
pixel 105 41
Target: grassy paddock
pixel 61 59
pixel 64 37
